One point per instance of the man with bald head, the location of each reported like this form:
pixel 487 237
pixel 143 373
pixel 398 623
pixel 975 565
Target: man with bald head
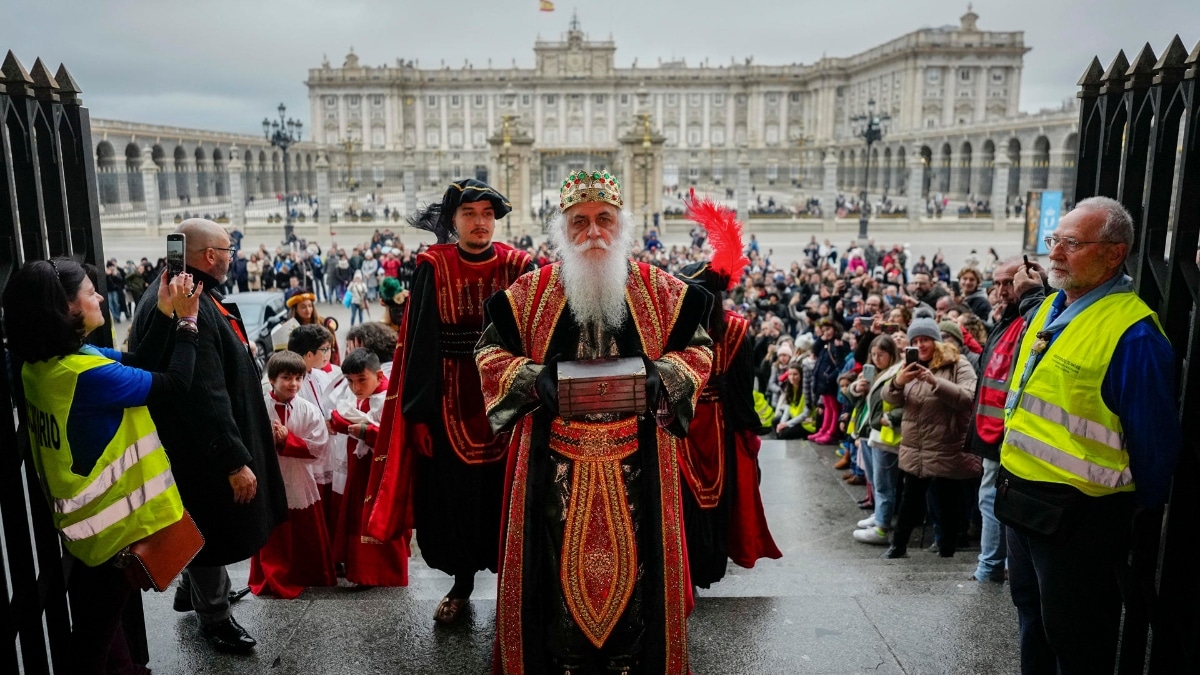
pixel 219 439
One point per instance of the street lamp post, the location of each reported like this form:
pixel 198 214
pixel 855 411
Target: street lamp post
pixel 871 128
pixel 282 133
pixel 506 155
pixel 350 145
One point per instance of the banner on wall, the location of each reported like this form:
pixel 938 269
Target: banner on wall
pixel 1043 209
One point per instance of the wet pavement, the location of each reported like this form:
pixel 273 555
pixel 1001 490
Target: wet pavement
pixel 830 605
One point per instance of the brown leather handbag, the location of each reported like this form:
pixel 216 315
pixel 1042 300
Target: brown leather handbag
pixel 155 561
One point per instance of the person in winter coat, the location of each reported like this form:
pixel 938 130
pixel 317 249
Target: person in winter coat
pixel 877 427
pixel 937 392
pixel 219 439
pixel 969 282
pixel 830 352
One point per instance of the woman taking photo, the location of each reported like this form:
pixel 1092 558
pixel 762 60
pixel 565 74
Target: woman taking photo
pixel 304 310
pixel 878 431
pixel 937 392
pixel 95 447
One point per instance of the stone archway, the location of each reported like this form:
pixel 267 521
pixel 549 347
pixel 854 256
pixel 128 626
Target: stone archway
pixel 106 177
pixel 1039 178
pixel 901 173
pixel 944 170
pixel 965 183
pixel 133 173
pixel 987 162
pixel 202 186
pixel 181 174
pixel 1014 175
pixel 927 169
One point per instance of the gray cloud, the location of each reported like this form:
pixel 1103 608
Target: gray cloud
pixel 225 64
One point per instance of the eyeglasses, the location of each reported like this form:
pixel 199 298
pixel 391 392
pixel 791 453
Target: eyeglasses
pixel 1072 244
pixel 231 250
pixel 325 349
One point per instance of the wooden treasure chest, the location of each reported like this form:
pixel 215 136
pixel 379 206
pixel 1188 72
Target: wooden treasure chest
pixel 601 386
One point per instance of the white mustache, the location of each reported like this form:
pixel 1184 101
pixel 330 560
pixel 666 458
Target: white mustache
pixel 592 243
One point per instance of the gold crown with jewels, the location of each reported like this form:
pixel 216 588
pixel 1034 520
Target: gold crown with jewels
pixel 590 186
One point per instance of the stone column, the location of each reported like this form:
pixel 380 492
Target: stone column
pixel 829 191
pixel 1056 171
pixel 237 188
pixel 1025 173
pixel 916 179
pixel 1000 168
pixel 150 192
pixel 324 202
pixel 193 186
pixel 743 186
pixel 123 203
pixel 410 182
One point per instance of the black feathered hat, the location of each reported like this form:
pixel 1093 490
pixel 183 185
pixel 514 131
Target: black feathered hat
pixel 439 218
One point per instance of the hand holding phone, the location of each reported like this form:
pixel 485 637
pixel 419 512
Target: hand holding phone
pixel 176 254
pixel 911 355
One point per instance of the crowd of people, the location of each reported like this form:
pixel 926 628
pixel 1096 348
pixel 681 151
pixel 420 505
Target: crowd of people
pixel 448 420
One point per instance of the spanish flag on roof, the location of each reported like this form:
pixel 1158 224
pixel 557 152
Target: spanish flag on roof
pixel 545 5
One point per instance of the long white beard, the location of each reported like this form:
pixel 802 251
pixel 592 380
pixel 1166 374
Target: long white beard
pixel 595 288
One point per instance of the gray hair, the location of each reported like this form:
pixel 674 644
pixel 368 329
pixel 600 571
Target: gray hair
pixel 1118 224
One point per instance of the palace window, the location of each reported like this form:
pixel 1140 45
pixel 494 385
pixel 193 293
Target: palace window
pixel 430 101
pixel 598 99
pixel 741 99
pixel 599 135
pixel 693 173
pixel 479 137
pixel 672 100
pixel 772 98
pixel 377 138
pixel 624 99
pixel 933 75
pixel 455 101
pixel 525 100
pixel 551 99
pixel 432 138
pixel 794 97
pixel 694 136
pixel 694 100
pixel 478 100
pixel 718 173
pixel 772 171
pixel 718 99
pixel 964 75
pixel 456 138
pixel 997 76
pixel 330 101
pixel 718 136
pixel 377 100
pixel 353 100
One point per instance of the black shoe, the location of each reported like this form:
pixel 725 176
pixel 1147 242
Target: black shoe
pixel 183 599
pixel 228 636
pixel 894 552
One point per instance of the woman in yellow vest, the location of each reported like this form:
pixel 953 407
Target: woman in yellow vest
pixel 95 448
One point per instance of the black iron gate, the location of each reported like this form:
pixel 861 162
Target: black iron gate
pixel 1139 143
pixel 48 207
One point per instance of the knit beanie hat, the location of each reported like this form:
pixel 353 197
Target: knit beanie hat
pixel 923 326
pixel 952 329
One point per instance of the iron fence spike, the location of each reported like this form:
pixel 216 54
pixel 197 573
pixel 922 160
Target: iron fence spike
pixel 1092 75
pixel 1143 63
pixel 1117 69
pixel 66 83
pixel 12 72
pixel 42 79
pixel 1174 56
pixel 1194 58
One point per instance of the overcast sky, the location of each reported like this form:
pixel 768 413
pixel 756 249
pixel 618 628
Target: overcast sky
pixel 225 64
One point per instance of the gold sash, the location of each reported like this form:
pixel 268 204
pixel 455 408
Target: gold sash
pixel 598 565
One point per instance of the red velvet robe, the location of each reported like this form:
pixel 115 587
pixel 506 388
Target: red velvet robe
pixel 369 561
pixel 723 508
pixel 600 556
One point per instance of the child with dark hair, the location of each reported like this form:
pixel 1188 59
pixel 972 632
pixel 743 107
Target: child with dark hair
pixel 314 344
pixel 298 554
pixel 369 562
pixel 377 337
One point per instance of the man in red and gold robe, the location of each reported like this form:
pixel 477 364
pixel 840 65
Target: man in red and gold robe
pixel 722 507
pixel 441 469
pixel 593 571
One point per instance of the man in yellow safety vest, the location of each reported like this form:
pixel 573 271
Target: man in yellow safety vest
pixel 1091 433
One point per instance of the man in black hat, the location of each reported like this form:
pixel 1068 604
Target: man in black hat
pixel 440 454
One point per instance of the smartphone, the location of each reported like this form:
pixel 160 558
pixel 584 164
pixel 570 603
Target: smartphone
pixel 911 355
pixel 1027 263
pixel 176 253
pixel 868 372
pixel 867 322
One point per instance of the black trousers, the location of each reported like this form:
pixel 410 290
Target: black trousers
pixel 97 596
pixel 1065 587
pixel 949 493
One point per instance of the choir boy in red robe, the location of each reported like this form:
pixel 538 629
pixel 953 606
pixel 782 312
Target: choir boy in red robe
pixel 369 561
pixel 298 552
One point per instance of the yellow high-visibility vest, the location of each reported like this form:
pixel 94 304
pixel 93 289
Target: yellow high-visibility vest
pixel 128 494
pixel 1060 430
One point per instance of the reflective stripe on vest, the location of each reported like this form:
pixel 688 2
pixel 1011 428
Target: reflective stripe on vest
pixel 993 385
pixel 113 472
pixel 115 512
pixel 1061 430
pixel 128 494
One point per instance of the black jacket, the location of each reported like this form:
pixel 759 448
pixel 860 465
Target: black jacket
pixel 218 427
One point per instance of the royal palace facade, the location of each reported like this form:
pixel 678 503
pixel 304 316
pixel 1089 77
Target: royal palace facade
pixel 951 94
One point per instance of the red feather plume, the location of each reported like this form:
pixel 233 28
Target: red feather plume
pixel 724 235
